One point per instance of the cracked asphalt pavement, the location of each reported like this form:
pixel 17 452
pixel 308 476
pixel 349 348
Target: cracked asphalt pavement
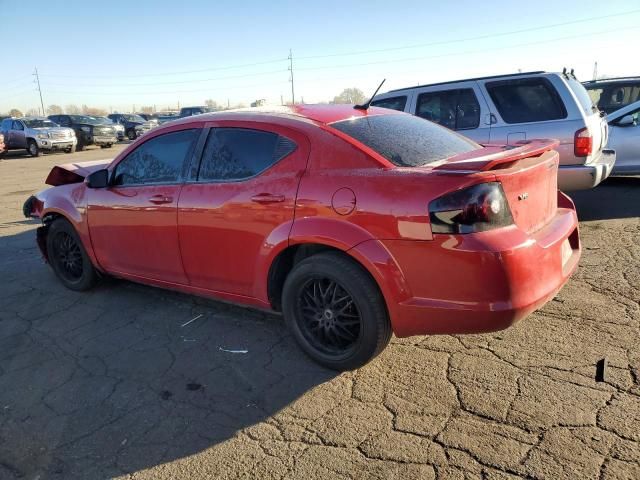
pixel 115 383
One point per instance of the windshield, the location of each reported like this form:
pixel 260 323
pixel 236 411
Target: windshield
pixel 134 118
pixel 582 95
pixel 405 140
pixel 39 123
pixel 85 119
pixel 104 120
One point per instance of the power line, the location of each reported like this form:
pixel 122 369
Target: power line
pixel 39 89
pixel 468 52
pixel 169 83
pixel 226 67
pixel 467 39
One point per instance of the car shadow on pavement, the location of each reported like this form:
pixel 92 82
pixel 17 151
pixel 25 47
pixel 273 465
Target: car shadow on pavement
pixel 126 377
pixel 617 197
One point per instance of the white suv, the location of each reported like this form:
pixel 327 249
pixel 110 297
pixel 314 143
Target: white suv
pixel 508 109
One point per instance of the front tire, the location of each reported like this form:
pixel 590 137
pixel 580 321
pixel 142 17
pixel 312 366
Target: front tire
pixel 33 149
pixel 68 258
pixel 131 134
pixel 71 149
pixel 335 311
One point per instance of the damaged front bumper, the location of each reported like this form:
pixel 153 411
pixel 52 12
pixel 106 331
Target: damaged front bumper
pixel 32 208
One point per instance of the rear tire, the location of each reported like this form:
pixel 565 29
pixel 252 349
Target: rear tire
pixel 33 149
pixel 80 147
pixel 68 258
pixel 335 311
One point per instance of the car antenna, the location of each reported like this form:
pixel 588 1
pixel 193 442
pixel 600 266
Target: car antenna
pixel 365 106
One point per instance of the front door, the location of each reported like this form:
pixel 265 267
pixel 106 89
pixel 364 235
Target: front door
pixel 132 222
pixel 245 190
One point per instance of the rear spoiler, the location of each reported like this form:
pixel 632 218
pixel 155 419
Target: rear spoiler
pixel 493 156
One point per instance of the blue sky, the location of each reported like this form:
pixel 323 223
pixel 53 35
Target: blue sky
pixel 120 54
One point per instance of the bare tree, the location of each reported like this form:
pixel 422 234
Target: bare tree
pixel 146 109
pixel 54 110
pixel 93 111
pixel 72 109
pixel 32 112
pixel 350 95
pixel 14 112
pixel 212 104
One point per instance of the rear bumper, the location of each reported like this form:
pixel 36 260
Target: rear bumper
pixel 583 177
pixel 483 282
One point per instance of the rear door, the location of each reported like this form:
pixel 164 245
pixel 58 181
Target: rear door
pixel 244 191
pixel 17 138
pixel 533 107
pixel 459 107
pixel 133 222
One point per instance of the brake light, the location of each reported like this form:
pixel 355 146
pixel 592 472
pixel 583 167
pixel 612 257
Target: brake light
pixel 474 209
pixel 582 143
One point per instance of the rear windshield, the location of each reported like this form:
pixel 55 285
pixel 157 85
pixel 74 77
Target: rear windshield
pixel 582 95
pixel 405 140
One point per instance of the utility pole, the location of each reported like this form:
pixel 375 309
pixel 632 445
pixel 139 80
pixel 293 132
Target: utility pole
pixel 293 97
pixel 595 71
pixel 39 89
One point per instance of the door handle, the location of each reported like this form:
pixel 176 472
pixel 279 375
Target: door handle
pixel 267 198
pixel 159 199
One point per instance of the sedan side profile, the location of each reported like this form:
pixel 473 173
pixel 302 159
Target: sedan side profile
pixel 353 223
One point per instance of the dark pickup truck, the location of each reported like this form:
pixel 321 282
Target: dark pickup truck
pixel 89 130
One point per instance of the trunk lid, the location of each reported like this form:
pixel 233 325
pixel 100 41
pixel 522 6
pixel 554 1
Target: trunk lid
pixel 527 172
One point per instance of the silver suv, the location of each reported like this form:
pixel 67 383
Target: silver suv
pixel 508 109
pixel 37 135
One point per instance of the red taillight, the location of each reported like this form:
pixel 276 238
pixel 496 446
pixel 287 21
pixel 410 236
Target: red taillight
pixel 582 143
pixel 474 209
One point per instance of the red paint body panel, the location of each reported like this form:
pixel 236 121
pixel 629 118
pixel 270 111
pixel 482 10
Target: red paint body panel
pixel 221 239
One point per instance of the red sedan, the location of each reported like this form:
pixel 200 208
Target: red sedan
pixel 353 223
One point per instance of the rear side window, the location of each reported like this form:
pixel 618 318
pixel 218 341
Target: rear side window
pixel 582 95
pixel 405 140
pixel 526 100
pixel 394 103
pixel 455 109
pixel 158 160
pixel 239 153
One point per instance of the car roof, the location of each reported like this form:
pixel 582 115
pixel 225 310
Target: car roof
pixel 605 81
pixel 509 75
pixel 324 114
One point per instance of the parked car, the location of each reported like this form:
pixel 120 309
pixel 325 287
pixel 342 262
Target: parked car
pixel 612 94
pixel 340 218
pixel 36 135
pixel 89 130
pixel 624 138
pixel 119 129
pixel 150 117
pixel 134 125
pixel 511 108
pixel 189 111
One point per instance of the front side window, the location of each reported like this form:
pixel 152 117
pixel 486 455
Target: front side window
pixel 239 153
pixel 405 140
pixel 158 160
pixel 455 109
pixel 17 125
pixel 526 100
pixel 394 103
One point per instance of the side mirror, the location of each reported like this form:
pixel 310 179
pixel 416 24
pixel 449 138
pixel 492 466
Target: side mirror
pixel 626 121
pixel 98 179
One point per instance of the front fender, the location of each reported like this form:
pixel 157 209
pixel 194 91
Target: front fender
pixel 70 202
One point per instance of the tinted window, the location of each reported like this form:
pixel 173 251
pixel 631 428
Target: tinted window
pixel 405 140
pixel 581 94
pixel 526 100
pixel 455 109
pixel 17 125
pixel 394 103
pixel 237 153
pixel 159 160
